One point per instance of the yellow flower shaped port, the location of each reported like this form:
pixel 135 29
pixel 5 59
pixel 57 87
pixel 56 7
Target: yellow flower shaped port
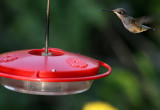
pixel 98 106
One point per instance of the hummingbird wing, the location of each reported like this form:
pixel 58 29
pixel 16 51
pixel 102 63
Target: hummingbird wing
pixel 142 20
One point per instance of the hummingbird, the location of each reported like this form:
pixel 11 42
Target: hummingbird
pixel 134 25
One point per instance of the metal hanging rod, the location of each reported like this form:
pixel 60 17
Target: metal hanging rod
pixel 47 29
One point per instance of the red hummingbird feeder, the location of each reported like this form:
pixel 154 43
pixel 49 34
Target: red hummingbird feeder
pixel 49 71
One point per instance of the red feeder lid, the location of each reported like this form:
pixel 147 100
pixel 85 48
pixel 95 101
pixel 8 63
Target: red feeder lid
pixel 61 66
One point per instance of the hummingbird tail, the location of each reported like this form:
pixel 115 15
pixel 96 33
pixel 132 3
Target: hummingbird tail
pixel 150 28
pixel 145 28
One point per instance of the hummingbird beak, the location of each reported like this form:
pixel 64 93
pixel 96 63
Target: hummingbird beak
pixel 107 10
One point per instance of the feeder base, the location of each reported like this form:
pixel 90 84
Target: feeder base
pixel 45 88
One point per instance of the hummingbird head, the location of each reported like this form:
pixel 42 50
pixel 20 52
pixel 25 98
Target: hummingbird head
pixel 120 12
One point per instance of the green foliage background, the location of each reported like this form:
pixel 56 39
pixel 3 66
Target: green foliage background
pixel 79 26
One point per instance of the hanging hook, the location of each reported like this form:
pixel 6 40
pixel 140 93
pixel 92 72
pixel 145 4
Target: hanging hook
pixel 47 30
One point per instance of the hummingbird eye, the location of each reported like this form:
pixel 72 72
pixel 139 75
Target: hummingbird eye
pixel 120 12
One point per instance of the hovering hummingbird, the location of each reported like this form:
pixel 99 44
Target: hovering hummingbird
pixel 134 25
